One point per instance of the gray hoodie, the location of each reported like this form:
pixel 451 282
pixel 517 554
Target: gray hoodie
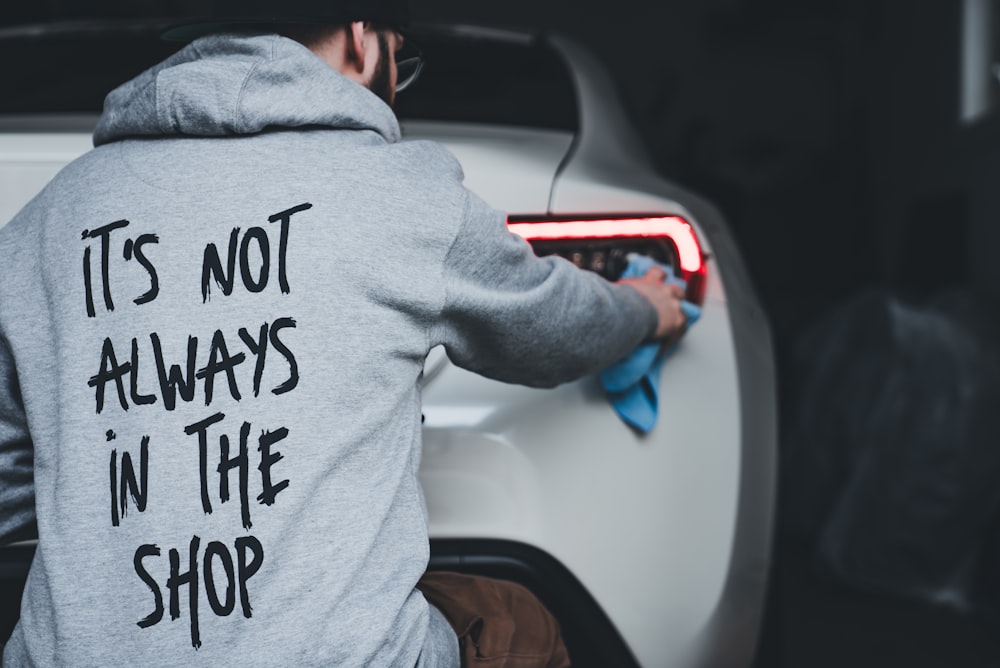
pixel 212 332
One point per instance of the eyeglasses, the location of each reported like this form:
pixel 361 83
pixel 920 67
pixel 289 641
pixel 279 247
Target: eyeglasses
pixel 409 63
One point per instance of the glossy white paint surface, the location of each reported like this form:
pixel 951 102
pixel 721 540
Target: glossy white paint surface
pixel 28 161
pixel 645 522
pixel 511 168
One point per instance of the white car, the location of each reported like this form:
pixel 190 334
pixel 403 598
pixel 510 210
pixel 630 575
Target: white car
pixel 652 549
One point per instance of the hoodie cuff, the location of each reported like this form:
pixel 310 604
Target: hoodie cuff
pixel 645 311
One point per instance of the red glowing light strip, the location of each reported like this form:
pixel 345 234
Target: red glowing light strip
pixel 671 226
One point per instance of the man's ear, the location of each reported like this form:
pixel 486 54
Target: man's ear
pixel 356 45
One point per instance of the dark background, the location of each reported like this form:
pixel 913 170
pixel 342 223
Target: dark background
pixel 829 134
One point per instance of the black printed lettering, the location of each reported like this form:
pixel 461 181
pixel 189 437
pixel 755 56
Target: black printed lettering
pixel 190 578
pixel 157 614
pixel 110 371
pixel 264 249
pixel 211 267
pixel 220 361
pixel 286 218
pixel 180 381
pixel 113 474
pixel 137 489
pixel 235 576
pixel 293 367
pixel 225 277
pixel 259 349
pixel 104 233
pixel 175 380
pixel 246 570
pixel 267 460
pixel 137 399
pixel 88 286
pixel 201 428
pixel 154 281
pixel 217 550
pixel 242 464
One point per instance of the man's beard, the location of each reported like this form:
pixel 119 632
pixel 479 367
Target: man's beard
pixel 380 83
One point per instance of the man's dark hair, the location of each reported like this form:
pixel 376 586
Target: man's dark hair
pixel 309 35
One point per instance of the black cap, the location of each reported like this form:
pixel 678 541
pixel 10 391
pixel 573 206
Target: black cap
pixel 233 14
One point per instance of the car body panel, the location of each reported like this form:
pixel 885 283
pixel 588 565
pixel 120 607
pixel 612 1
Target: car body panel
pixel 608 153
pixel 645 522
pixel 512 169
pixel 32 152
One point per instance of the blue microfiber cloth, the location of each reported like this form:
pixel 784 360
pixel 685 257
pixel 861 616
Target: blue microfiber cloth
pixel 633 383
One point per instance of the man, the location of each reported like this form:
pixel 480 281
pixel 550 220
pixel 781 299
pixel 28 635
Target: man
pixel 212 332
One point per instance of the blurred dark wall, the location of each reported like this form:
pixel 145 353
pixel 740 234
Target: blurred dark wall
pixel 15 11
pixel 814 124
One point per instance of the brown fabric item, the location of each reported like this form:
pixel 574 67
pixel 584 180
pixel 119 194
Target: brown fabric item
pixel 499 624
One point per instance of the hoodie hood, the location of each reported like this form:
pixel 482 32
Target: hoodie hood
pixel 230 85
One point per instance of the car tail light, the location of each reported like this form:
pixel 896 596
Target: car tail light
pixel 603 244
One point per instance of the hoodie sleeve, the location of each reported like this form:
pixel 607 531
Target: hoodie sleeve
pixel 17 491
pixel 518 318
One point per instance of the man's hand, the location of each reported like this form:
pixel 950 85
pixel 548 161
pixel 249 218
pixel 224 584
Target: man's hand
pixel 666 299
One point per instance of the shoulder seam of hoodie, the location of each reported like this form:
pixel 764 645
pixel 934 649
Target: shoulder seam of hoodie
pixel 466 206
